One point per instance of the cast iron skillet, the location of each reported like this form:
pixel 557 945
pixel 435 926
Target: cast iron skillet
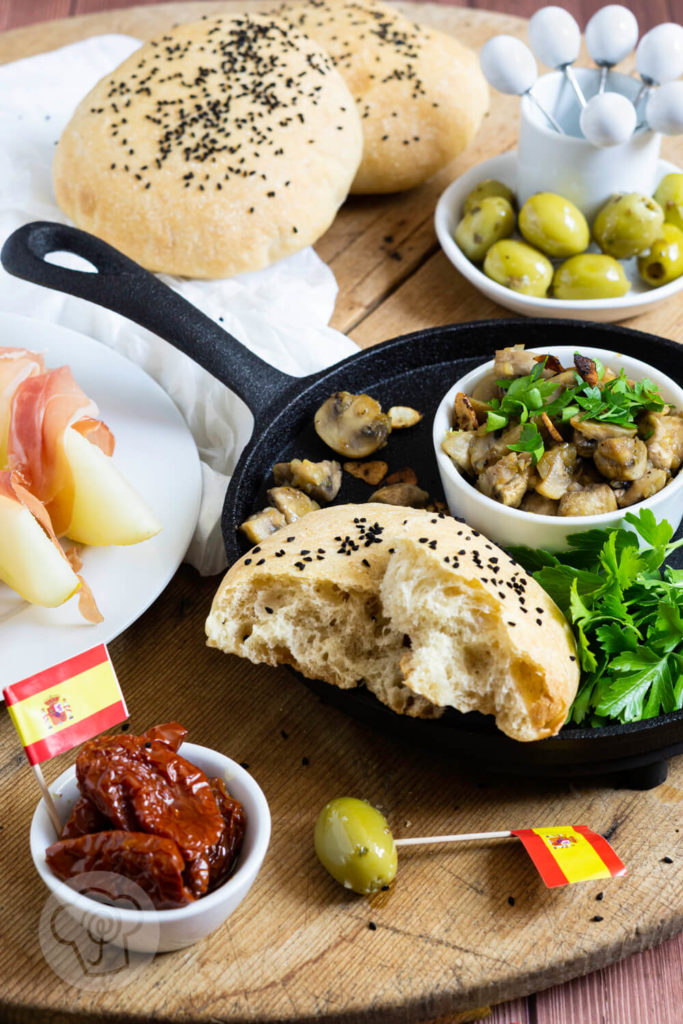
pixel 415 370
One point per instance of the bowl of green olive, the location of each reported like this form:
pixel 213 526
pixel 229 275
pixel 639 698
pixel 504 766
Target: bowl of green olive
pixel 546 259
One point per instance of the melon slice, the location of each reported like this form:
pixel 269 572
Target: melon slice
pixel 30 563
pixel 106 507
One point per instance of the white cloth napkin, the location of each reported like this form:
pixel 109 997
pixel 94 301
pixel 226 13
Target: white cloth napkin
pixel 281 313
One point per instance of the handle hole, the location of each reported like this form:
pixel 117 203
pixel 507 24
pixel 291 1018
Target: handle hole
pixel 70 261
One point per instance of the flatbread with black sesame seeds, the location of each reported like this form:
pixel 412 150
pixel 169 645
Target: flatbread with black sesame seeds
pixel 420 93
pixel 217 148
pixel 416 606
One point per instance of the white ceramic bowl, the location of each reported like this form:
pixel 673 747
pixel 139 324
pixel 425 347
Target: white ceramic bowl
pixel 152 931
pixel 449 211
pixel 508 526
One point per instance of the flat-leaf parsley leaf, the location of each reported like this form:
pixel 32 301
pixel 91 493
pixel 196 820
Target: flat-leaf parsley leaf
pixel 627 616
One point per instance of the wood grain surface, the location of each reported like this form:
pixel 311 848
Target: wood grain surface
pixel 462 929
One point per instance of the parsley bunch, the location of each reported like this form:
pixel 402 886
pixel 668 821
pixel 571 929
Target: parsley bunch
pixel 627 616
pixel 617 401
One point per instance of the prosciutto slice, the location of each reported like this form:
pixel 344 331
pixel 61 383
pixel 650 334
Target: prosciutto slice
pixel 16 364
pixel 12 489
pixel 44 407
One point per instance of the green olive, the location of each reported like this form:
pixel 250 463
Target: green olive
pixel 487 188
pixel 664 261
pixel 353 841
pixel 669 195
pixel 590 275
pixel 554 225
pixel 627 225
pixel 487 221
pixel 519 267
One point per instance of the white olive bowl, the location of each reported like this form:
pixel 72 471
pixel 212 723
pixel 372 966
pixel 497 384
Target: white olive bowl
pixel 510 526
pixel 639 299
pixel 150 930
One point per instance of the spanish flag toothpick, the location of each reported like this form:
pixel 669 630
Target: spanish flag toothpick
pixel 63 706
pixel 562 854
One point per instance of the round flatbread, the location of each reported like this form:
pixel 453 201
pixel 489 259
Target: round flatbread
pixel 217 148
pixel 422 610
pixel 420 93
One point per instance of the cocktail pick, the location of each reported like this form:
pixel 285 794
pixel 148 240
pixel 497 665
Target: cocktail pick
pixel 659 57
pixel 562 854
pixel 354 843
pixel 555 39
pixel 509 66
pixel 611 34
pixel 664 110
pixel 608 119
pixel 61 707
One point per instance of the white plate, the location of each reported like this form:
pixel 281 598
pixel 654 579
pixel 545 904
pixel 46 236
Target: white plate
pixel 157 454
pixel 504 167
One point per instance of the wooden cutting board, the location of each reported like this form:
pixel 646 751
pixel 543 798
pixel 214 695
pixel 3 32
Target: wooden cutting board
pixel 462 927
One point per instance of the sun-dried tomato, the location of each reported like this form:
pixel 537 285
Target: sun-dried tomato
pixel 170 733
pixel 147 814
pixel 223 855
pixel 84 818
pixel 142 785
pixel 152 862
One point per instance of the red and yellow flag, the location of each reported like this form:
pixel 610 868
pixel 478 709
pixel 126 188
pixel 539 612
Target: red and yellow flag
pixel 569 853
pixel 67 704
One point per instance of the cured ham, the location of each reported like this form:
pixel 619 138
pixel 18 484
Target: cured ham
pixel 16 364
pixel 44 407
pixel 57 478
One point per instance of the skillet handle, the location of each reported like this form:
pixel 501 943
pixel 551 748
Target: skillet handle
pixel 126 288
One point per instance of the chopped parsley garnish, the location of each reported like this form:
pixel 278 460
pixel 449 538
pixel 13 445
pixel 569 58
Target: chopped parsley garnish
pixel 526 398
pixel 627 615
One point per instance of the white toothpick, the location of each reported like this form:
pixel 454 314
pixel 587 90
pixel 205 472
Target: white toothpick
pixel 509 66
pixel 611 34
pixel 659 57
pixel 452 839
pixel 555 39
pixel 47 797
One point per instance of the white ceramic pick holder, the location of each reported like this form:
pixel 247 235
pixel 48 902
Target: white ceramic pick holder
pixel 568 164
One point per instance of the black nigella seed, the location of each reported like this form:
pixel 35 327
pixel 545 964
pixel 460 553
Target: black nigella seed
pixel 511 900
pixel 600 896
pixel 667 860
pixel 244 764
pixel 597 917
pixel 372 926
pixel 285 735
pixel 305 761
